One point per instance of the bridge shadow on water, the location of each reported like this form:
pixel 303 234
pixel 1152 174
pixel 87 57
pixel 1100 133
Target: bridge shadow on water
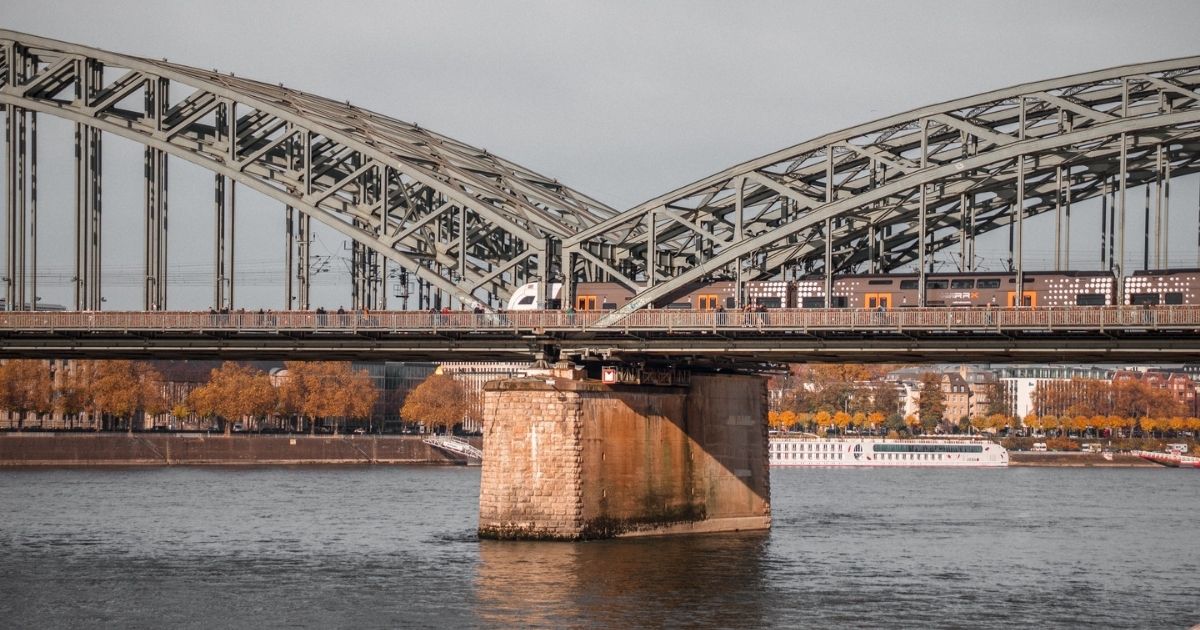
pixel 707 581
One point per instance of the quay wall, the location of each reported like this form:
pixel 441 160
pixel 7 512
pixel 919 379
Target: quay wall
pixel 182 449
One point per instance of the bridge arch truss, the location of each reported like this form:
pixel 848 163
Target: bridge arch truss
pixel 470 225
pixel 891 192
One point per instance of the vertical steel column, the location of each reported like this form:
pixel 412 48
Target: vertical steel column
pixel 155 289
pixel 304 269
pixel 231 225
pixel 1058 184
pixel 289 257
pixel 96 181
pixel 1146 231
pixel 871 247
pixel 1166 213
pixel 922 208
pixel 1122 186
pixel 33 198
pixel 828 262
pixel 962 231
pixel 738 207
pixel 651 249
pixel 971 252
pixel 1019 234
pixel 1158 232
pixel 381 300
pixel 219 242
pixel 829 198
pixel 1104 226
pixel 21 210
pixel 1019 237
pixel 79 279
pixel 356 273
pixel 10 205
pixel 1120 268
pixel 153 230
pixel 1067 227
pixel 543 265
pixel 882 234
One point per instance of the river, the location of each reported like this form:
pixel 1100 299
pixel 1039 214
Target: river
pixel 383 547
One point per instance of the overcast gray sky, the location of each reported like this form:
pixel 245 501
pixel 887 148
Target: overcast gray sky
pixel 626 100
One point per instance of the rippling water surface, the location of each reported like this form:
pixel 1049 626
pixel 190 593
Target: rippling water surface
pixel 396 547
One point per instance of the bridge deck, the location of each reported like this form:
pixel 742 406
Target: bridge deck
pixel 1169 333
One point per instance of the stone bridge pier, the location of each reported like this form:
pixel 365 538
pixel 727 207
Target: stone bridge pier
pixel 571 459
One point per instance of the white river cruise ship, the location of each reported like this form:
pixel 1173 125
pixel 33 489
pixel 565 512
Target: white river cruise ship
pixel 798 449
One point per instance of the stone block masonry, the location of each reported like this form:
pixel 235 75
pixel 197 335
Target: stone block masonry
pixel 571 459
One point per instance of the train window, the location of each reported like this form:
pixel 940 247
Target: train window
pixel 1174 298
pixel 884 282
pixel 608 306
pixel 935 284
pixel 839 301
pixel 680 306
pixel 908 285
pixel 813 302
pixel 1024 280
pixel 1090 299
pixel 527 300
pixel 730 303
pixel 706 302
pixel 962 284
pixel 988 283
pixel 769 302
pixel 1137 299
pixel 585 303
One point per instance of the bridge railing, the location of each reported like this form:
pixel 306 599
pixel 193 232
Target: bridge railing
pixel 662 320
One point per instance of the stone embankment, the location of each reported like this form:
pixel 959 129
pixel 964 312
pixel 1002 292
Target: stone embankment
pixel 185 449
pixel 1072 459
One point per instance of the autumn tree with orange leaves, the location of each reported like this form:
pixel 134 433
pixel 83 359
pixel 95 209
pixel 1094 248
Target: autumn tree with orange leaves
pixel 25 388
pixel 125 388
pixel 326 389
pixel 439 401
pixel 234 391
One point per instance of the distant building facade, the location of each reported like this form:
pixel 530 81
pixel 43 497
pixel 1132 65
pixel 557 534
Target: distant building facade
pixel 473 376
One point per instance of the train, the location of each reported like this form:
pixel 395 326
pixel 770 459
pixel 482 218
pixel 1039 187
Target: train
pixel 879 291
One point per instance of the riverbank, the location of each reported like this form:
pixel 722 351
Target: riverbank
pixel 1076 460
pixel 196 449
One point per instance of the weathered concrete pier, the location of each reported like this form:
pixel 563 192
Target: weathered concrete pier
pixel 573 459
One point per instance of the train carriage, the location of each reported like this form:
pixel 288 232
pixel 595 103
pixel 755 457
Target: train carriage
pixel 1178 286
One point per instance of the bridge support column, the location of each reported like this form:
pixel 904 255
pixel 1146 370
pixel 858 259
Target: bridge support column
pixel 571 459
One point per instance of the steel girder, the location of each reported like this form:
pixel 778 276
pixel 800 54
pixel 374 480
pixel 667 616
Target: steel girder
pixel 462 219
pixel 868 198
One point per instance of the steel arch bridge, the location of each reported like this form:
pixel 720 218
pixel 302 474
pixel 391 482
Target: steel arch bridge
pixel 888 193
pixel 472 226
pixel 467 223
